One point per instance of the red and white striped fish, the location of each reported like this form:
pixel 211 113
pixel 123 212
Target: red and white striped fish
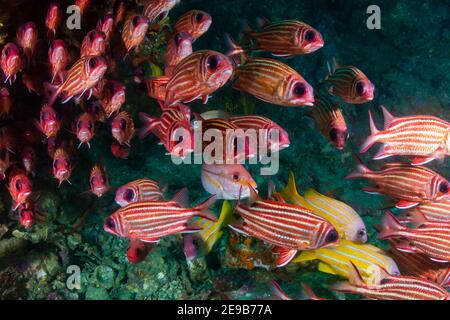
pixel 422 138
pixel 62 168
pixel 178 48
pixel 285 38
pixel 392 287
pixel 149 221
pixel 133 32
pixel 157 10
pixel 85 127
pixel 411 185
pixel 272 81
pixel 106 25
pixel 94 44
pixel 112 97
pixel 289 227
pixel 417 264
pixel 27 36
pixel 139 190
pixel 81 78
pixel 173 129
pixel 258 123
pixel 329 120
pixel 11 62
pixel 194 23
pixel 197 76
pixel 98 181
pixel 82 5
pixel 53 19
pixel 58 58
pixel 429 238
pixel 49 122
pixel 122 128
pixel 438 211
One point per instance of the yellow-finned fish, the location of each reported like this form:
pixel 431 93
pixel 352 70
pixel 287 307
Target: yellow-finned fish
pixel 367 258
pixel 201 243
pixel 346 220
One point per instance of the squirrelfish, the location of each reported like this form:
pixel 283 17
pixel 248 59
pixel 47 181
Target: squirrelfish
pixel 368 259
pixel 98 181
pixel 288 227
pixel 11 61
pixel 346 220
pixel 438 211
pixel 27 216
pixel 58 58
pixel 85 126
pixel 411 185
pixel 53 19
pixel 201 243
pixel 94 44
pixel 149 221
pixel 134 30
pixel 227 181
pixel 106 25
pixel 194 22
pixel 350 84
pixel 5 102
pixel 82 5
pixel 285 38
pixel 62 168
pixel 113 97
pixel 138 251
pixel 49 123
pixel 20 187
pixel 157 10
pixel 27 36
pixel 139 190
pixel 28 157
pixel 422 138
pixel 329 120
pixel 122 128
pixel 392 287
pixel 272 81
pixel 429 238
pixel 81 78
pixel 178 48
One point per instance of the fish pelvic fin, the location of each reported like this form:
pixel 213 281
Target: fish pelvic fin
pixel 285 255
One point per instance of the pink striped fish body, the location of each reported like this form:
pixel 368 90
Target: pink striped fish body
pixel 409 184
pixel 27 36
pixel 430 238
pixel 94 44
pixel 112 97
pixel 419 265
pixel 58 58
pixel 286 38
pixel 81 78
pixel 139 190
pixel 194 22
pixel 438 211
pixel 288 227
pixel 198 76
pixel 149 221
pixel 255 122
pixel 422 138
pixel 392 287
pixel 157 10
pixel 178 48
pixel 274 82
pixel 106 25
pixel 134 29
pixel 11 61
pixel 174 120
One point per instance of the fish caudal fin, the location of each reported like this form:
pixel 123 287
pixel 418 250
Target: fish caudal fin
pixel 50 92
pixel 285 255
pixel 390 225
pixel 182 198
pixel 149 124
pixel 202 209
pixel 236 52
pixel 361 170
pixel 373 138
pixel 226 214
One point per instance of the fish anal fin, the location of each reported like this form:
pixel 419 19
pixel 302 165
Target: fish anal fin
pixel 285 255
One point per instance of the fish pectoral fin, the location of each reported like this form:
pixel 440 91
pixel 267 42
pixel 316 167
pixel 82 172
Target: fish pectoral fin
pixel 420 161
pixel 405 246
pixel 403 204
pixel 149 240
pixel 285 255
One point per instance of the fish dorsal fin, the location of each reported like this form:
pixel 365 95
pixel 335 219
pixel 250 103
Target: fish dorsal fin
pixel 270 190
pixel 388 117
pixel 182 198
pixel 262 22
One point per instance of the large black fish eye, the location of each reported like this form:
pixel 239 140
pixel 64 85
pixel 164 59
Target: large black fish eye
pixel 178 39
pixel 213 63
pixel 299 89
pixel 122 124
pixel 199 17
pixel 443 187
pixel 310 35
pixel 7 52
pixel 110 223
pixel 135 21
pixel 90 125
pixel 139 252
pixel 236 177
pixel 91 36
pixel 18 185
pixel 332 236
pixel 334 134
pixel 128 195
pixel 92 62
pixel 361 233
pixel 360 88
pixel 3 153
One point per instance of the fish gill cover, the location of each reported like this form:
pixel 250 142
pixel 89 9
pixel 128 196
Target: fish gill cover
pixel 105 110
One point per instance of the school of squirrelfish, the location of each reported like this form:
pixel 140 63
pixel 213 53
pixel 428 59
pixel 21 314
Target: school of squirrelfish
pixel 80 94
